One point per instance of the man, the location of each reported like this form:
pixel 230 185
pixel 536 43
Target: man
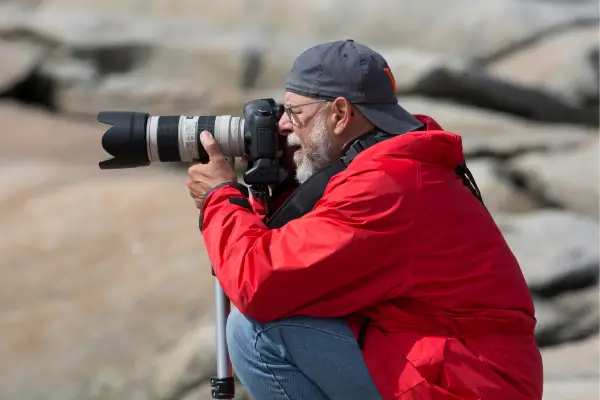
pixel 396 285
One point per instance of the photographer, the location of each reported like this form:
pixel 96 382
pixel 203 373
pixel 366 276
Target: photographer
pixel 397 284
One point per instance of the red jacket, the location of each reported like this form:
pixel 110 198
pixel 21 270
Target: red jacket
pixel 396 237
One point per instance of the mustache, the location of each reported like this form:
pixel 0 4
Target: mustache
pixel 293 140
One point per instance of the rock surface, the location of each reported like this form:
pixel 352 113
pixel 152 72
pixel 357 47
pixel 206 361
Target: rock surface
pixel 571 370
pixel 491 133
pixel 558 177
pixel 567 317
pixel 124 266
pixel 89 50
pixel 106 290
pixel 19 61
pixel 498 190
pixel 557 250
pixel 564 65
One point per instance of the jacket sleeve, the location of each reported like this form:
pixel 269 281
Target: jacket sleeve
pixel 327 263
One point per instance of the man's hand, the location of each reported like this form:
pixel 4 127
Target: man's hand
pixel 204 177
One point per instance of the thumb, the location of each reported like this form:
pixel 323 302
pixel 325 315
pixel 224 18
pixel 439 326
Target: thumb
pixel 210 145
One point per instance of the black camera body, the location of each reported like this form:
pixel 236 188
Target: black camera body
pixel 138 139
pixel 262 142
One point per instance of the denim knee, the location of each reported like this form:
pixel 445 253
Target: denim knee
pixel 240 332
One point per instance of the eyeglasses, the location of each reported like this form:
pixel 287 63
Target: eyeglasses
pixel 288 109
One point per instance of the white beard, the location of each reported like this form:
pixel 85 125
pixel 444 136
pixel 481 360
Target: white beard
pixel 313 155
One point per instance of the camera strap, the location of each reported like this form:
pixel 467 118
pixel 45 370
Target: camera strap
pixel 306 196
pixel 308 193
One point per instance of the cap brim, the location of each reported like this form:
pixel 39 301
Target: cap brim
pixel 390 118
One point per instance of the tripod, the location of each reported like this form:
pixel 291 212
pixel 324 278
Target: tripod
pixel 222 385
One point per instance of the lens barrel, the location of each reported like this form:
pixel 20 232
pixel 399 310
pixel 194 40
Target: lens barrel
pixel 138 139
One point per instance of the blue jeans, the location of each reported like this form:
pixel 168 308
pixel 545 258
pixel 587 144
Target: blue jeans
pixel 298 358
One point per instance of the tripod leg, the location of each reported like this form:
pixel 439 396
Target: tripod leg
pixel 222 385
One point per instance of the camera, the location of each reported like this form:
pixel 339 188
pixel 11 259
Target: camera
pixel 137 139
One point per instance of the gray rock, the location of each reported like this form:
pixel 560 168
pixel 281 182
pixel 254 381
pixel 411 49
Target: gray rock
pixel 475 86
pixel 571 316
pixel 218 63
pixel 549 321
pixel 571 389
pixel 21 180
pixel 559 64
pixel 102 274
pixel 18 62
pixel 73 28
pixel 138 92
pixel 32 134
pixel 440 76
pixel 188 51
pixel 499 193
pixel 11 19
pixel 183 372
pixel 576 359
pixel 571 370
pixel 497 23
pixel 568 178
pixel 557 250
pixel 66 72
pixel 162 49
pixel 237 62
pixel 582 308
pixel 188 364
pixel 489 133
pixel 412 66
pixel 133 92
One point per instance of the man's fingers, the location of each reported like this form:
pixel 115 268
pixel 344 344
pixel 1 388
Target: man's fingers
pixel 210 145
pixel 196 170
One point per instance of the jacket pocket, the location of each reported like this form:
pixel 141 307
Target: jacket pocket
pixel 427 356
pixel 414 359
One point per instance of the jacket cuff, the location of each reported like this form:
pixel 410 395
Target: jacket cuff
pixel 243 189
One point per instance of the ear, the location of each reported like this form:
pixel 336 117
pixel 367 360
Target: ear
pixel 341 115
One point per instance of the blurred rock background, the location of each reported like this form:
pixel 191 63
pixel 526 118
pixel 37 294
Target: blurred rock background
pixel 105 287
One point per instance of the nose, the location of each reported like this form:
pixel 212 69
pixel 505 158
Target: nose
pixel 285 125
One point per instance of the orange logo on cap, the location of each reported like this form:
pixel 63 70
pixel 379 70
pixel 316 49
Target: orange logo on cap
pixel 392 79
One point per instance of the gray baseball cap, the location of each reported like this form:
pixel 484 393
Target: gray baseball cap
pixel 356 72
